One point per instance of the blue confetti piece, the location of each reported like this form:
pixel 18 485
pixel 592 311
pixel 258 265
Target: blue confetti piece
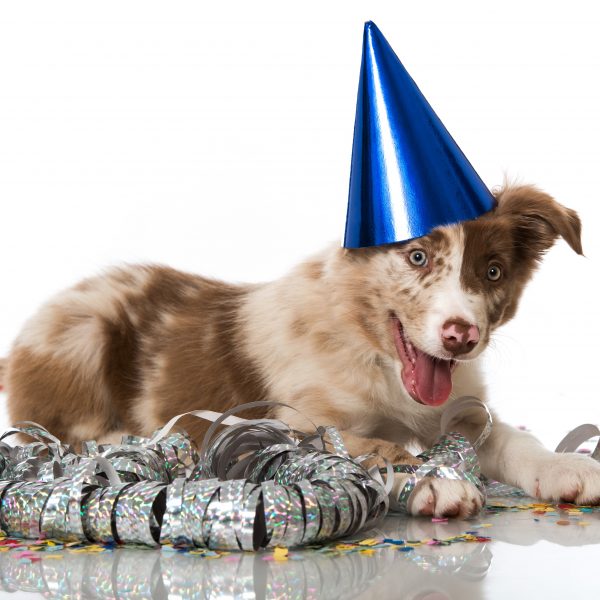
pixel 395 542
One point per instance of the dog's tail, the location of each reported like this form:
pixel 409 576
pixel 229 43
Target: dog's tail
pixel 3 362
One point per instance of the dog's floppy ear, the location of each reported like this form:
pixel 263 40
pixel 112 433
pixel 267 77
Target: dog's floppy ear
pixel 538 220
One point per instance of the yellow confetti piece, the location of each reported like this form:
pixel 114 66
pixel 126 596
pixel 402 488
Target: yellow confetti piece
pixel 368 551
pixel 344 547
pixel 87 549
pixel 486 525
pixel 280 553
pixel 584 523
pixel 368 542
pixel 52 556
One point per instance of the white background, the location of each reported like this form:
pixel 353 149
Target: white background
pixel 216 137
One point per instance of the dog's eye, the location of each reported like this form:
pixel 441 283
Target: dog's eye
pixel 494 272
pixel 418 258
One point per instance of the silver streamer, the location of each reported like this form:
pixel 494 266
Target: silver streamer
pixel 452 457
pixel 253 484
pixel 574 439
pixel 256 484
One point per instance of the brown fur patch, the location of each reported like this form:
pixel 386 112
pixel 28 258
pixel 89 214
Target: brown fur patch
pixel 45 389
pixel 299 327
pixel 313 269
pixel 326 341
pixel 383 449
pixel 515 235
pixel 2 372
pixel 200 371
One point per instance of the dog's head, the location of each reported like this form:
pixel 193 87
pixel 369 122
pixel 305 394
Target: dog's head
pixel 435 300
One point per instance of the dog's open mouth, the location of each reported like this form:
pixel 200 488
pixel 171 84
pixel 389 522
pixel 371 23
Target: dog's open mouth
pixel 427 379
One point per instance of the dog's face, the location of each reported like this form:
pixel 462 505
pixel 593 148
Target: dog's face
pixel 435 300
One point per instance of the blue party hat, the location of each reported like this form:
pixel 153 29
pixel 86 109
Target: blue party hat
pixel 408 174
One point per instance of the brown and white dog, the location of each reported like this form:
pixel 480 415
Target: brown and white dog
pixel 376 341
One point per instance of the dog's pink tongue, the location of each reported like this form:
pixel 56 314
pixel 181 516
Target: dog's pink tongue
pixel 433 380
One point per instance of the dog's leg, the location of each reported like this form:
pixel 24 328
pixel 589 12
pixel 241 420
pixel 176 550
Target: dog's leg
pixel 518 458
pixel 380 449
pixel 432 497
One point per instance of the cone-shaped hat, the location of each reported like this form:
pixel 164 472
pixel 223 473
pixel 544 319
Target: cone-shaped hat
pixel 408 175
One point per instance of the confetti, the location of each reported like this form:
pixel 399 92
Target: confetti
pixel 368 542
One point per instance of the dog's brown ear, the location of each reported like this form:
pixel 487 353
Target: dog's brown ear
pixel 538 219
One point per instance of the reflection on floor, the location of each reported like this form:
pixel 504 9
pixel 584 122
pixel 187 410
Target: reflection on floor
pixel 459 570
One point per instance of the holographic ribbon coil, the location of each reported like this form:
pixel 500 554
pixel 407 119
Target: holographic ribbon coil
pixel 257 484
pixel 452 456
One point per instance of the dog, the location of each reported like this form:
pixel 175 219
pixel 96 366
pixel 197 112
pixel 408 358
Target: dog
pixel 376 341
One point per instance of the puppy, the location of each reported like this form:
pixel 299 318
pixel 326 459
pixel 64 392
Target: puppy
pixel 376 341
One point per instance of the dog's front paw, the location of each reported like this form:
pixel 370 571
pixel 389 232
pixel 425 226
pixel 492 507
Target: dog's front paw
pixel 445 498
pixel 568 477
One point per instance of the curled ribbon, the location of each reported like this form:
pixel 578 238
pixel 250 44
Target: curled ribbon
pixel 575 438
pixel 255 484
pixel 452 457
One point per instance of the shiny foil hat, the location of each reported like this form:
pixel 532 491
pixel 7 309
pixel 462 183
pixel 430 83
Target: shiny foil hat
pixel 408 175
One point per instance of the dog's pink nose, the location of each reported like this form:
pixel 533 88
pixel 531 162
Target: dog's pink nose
pixel 459 337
